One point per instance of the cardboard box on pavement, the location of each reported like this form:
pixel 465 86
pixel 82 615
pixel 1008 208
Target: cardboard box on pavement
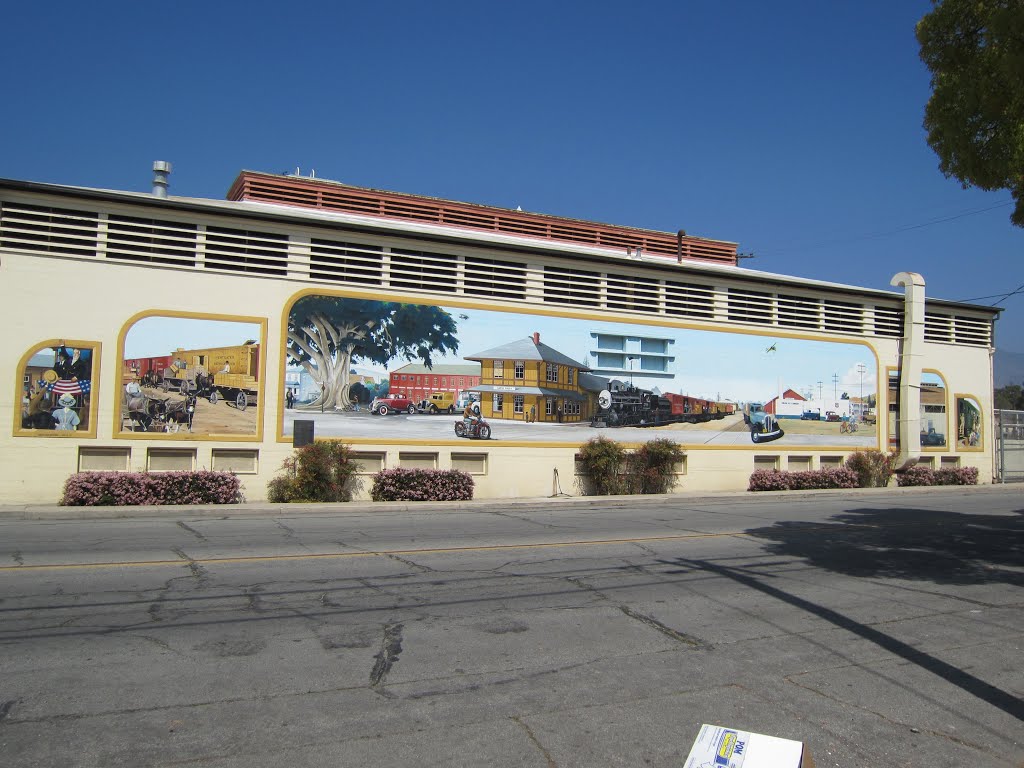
pixel 720 747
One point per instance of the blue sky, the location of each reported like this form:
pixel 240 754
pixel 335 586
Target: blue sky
pixel 791 128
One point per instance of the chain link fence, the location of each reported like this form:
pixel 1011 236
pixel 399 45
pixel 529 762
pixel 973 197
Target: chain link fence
pixel 1009 446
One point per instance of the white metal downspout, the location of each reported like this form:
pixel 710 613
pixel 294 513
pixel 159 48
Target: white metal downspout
pixel 909 421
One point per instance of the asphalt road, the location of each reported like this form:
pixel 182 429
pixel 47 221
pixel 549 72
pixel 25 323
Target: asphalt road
pixel 880 628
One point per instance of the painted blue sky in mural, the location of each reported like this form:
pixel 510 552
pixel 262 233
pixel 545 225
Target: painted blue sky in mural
pixel 707 364
pixel 158 336
pixel 711 365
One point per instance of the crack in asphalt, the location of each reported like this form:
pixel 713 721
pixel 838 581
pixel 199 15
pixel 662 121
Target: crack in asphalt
pixel 535 740
pixel 17 557
pixel 663 628
pixel 411 564
pixel 390 648
pixel 191 530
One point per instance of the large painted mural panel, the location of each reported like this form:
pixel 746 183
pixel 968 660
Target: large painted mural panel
pixel 368 370
pixel 191 376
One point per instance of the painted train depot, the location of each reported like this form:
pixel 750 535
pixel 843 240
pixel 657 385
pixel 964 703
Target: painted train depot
pixel 150 332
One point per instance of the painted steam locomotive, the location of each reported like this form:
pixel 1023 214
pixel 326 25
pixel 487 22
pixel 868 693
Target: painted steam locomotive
pixel 623 405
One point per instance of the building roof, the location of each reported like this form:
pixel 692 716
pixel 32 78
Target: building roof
pixel 323 194
pixel 440 370
pixel 531 348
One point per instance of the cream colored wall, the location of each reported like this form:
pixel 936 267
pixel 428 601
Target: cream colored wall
pixel 52 298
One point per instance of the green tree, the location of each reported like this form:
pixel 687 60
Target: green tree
pixel 1010 398
pixel 975 117
pixel 326 334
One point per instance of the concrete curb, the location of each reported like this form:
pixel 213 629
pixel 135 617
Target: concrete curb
pixel 266 509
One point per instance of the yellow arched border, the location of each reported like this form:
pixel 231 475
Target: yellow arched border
pixel 464 303
pixel 119 434
pixel 945 387
pixel 980 448
pixel 948 447
pixel 94 391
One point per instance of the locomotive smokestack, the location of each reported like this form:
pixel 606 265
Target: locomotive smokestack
pixel 161 170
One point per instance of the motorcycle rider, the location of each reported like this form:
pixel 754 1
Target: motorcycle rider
pixel 471 415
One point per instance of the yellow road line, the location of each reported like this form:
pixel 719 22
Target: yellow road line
pixel 341 555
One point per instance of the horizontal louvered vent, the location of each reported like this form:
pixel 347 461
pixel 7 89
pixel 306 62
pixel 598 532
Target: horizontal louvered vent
pixel 888 322
pixel 972 330
pixel 938 327
pixel 636 294
pixel 842 317
pixel 749 306
pixel 572 287
pixel 423 271
pixel 492 277
pixel 799 312
pixel 151 241
pixel 237 250
pixel 345 262
pixel 48 230
pixel 957 328
pixel 689 300
pixel 146 241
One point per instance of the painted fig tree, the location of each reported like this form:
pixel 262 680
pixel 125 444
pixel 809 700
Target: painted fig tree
pixel 327 335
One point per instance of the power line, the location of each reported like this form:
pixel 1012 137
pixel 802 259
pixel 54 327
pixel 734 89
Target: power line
pixel 1001 296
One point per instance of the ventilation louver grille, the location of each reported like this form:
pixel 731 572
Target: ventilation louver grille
pixel 492 277
pixel 151 241
pixel 345 262
pixel 48 230
pixel 72 233
pixel 572 287
pixel 236 250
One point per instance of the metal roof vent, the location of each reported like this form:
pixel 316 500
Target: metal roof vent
pixel 161 170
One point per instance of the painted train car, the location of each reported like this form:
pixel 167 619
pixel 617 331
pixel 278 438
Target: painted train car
pixel 629 406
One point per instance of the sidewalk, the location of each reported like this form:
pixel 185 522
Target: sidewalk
pixel 266 509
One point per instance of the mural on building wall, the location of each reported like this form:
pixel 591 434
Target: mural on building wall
pixel 189 375
pixel 968 418
pixel 377 370
pixel 56 389
pixel 933 410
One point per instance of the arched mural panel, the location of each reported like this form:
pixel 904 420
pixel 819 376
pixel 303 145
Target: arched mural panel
pixel 57 390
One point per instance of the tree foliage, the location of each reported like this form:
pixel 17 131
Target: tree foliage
pixel 975 117
pixel 327 334
pixel 1010 398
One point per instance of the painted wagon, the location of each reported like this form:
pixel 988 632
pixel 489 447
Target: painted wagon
pixel 228 373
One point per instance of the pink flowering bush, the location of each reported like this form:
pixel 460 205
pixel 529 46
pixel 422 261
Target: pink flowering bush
pixel 422 485
pixel 120 489
pixel 818 479
pixel 920 476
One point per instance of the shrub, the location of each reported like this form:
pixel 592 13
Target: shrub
pixel 319 472
pixel 422 485
pixel 604 464
pixel 137 488
pixel 921 476
pixel 819 479
pixel 874 469
pixel 653 466
pixel 612 470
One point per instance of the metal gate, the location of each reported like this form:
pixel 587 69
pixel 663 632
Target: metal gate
pixel 1010 446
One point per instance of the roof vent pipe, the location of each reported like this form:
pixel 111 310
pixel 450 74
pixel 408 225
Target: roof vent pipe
pixel 679 245
pixel 161 170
